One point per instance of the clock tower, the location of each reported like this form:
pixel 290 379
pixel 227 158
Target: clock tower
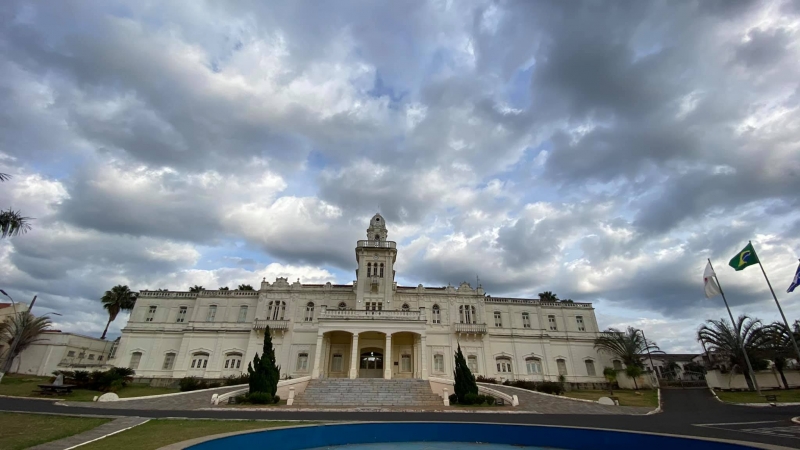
pixel 375 274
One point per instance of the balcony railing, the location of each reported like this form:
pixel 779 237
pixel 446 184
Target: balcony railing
pixel 377 244
pixel 470 328
pixel 360 314
pixel 273 324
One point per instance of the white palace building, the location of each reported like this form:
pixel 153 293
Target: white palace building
pixel 371 328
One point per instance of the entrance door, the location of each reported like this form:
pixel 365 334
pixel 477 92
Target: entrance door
pixel 371 365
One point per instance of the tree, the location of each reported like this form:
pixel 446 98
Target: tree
pixel 548 296
pixel 12 223
pixel 611 377
pixel 24 328
pixel 224 289
pixel 774 341
pixel 627 346
pixel 633 372
pixel 730 340
pixel 263 371
pixel 673 368
pixel 196 288
pixel 119 298
pixel 464 380
pixel 246 287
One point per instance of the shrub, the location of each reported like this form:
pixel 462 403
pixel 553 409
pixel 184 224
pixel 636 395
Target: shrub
pixel 490 400
pixel 529 385
pixel 481 399
pixel 259 398
pixel 213 385
pixel 507 383
pixel 240 398
pixel 483 379
pixel 192 384
pixel 276 399
pixel 234 380
pixel 453 399
pixel 470 398
pixel 550 387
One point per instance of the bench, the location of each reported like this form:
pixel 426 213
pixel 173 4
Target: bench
pixel 55 389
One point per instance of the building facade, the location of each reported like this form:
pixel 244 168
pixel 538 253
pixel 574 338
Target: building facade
pixel 56 350
pixel 368 329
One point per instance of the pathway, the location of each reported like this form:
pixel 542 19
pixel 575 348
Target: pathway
pixel 114 426
pixel 546 404
pixel 189 400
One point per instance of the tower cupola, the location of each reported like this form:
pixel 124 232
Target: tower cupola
pixel 377 229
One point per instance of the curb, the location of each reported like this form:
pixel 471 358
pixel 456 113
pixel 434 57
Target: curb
pixel 796 420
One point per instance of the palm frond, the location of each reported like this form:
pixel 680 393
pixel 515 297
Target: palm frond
pixel 13 223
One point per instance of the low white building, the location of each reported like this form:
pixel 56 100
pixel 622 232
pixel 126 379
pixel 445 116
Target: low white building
pixel 56 350
pixel 370 328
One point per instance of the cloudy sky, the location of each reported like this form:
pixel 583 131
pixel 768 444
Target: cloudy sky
pixel 600 150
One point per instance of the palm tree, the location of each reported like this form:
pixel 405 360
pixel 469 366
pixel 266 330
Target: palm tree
pixel 627 346
pixel 726 339
pixel 12 223
pixel 26 328
pixel 246 287
pixel 548 296
pixel 775 341
pixel 196 288
pixel 224 288
pixel 119 298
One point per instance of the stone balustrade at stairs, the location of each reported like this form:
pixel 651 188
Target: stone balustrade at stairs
pixel 336 392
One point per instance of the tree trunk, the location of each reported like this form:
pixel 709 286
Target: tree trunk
pixel 783 378
pixel 750 385
pixel 106 330
pixel 635 384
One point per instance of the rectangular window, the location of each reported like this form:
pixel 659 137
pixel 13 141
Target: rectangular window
pixel 472 363
pixel 581 326
pixel 336 364
pixel 100 358
pixel 71 353
pixel 205 363
pixel 562 366
pixel 212 313
pixel 526 320
pixel 437 314
pixel 302 362
pixel 552 321
pixel 135 359
pixel 590 368
pixel 151 314
pixel 498 320
pixel 81 355
pixel 91 356
pixel 405 363
pixel 242 314
pixel 169 361
pixel 182 314
pixel 503 365
pixel 438 363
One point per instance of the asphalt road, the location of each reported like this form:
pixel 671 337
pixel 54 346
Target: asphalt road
pixel 690 412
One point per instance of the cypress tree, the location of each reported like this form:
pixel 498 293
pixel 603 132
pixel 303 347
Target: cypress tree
pixel 264 373
pixel 464 380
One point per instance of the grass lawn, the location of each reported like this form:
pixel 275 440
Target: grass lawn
pixel 648 398
pixel 158 433
pixel 784 396
pixel 25 385
pixel 26 430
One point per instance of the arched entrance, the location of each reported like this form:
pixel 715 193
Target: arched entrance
pixel 371 363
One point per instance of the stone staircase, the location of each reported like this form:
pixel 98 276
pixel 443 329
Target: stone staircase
pixel 367 392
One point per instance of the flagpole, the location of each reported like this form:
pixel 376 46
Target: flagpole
pixel 788 328
pixel 733 327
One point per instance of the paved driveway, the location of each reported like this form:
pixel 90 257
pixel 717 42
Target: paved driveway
pixel 187 401
pixel 548 404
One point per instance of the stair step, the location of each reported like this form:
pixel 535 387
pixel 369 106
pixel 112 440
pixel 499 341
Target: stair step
pixel 367 392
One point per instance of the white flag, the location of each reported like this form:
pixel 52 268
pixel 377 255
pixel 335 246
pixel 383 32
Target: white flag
pixel 712 288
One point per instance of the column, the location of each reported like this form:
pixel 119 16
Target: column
pixel 354 358
pixel 423 345
pixel 416 356
pixel 317 356
pixel 388 363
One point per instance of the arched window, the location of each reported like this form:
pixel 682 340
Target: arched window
pixel 590 368
pixel 467 314
pixel 437 314
pixel 199 360
pixel 369 269
pixel 503 364
pixel 562 366
pixel 526 320
pixel 377 237
pixel 136 358
pixel 169 361
pixel 342 306
pixel 276 310
pixel 309 312
pixel 461 314
pixel 534 365
pixel 381 275
pixel 405 307
pixel 233 361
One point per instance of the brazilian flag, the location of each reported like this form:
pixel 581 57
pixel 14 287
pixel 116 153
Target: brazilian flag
pixel 745 258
